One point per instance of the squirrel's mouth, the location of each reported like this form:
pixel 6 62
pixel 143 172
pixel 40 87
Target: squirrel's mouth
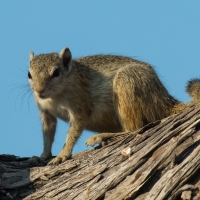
pixel 42 96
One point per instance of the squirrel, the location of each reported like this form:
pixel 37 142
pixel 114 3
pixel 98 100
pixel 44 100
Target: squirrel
pixel 107 94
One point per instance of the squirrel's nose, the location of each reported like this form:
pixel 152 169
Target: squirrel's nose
pixel 39 88
pixel 40 93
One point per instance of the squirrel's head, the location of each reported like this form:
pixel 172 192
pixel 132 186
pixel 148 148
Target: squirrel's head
pixel 47 72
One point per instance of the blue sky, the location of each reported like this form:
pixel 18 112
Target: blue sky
pixel 165 34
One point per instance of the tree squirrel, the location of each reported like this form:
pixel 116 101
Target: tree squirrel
pixel 101 93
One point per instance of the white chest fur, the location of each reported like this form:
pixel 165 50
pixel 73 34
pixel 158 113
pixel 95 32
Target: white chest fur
pixel 55 107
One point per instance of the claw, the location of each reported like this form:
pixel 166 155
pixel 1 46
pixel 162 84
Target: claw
pixel 55 161
pixel 59 159
pixel 96 139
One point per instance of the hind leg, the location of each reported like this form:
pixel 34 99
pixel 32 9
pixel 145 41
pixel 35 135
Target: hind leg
pixel 127 100
pixel 126 106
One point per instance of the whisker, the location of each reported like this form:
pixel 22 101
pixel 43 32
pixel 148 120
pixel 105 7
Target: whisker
pixel 20 90
pixel 30 94
pixel 16 88
pixel 18 75
pixel 23 96
pixel 19 95
pixel 18 85
pixel 22 70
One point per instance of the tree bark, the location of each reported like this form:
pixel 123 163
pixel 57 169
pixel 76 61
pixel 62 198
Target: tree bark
pixel 159 161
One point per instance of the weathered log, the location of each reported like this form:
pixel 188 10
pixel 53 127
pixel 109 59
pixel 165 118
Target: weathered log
pixel 159 161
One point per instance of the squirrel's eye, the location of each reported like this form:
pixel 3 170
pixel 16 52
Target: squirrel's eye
pixel 56 72
pixel 29 75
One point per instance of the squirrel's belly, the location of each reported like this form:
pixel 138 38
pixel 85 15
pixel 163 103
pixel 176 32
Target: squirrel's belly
pixel 103 118
pixel 106 125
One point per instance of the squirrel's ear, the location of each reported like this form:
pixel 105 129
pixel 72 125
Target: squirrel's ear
pixel 66 56
pixel 31 55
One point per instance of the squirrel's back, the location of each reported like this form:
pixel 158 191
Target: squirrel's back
pixel 107 63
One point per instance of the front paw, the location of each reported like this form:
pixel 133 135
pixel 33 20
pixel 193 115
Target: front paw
pixel 59 159
pixel 34 160
pixel 45 156
pixel 95 139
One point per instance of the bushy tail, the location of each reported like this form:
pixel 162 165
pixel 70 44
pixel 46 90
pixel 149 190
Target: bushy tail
pixel 193 89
